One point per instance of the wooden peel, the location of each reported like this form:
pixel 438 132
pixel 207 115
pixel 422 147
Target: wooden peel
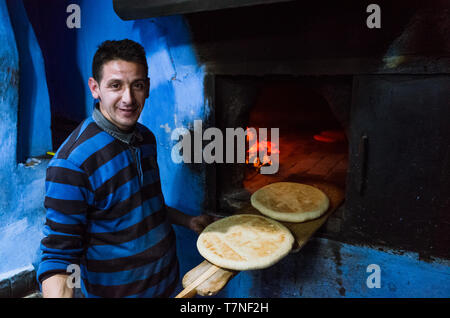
pixel 212 285
pixel 207 279
pixel 187 292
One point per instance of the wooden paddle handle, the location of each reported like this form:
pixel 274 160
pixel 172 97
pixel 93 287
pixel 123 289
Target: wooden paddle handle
pixel 188 291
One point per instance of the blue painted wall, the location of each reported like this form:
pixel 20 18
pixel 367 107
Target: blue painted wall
pixel 325 268
pixel 322 269
pixel 59 47
pixel 9 92
pixel 34 135
pixel 21 211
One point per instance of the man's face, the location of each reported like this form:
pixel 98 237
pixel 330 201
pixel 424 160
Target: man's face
pixel 122 92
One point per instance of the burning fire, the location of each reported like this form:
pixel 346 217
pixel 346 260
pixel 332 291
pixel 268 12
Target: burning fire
pixel 264 146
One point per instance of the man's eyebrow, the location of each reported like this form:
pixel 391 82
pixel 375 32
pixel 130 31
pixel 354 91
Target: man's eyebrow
pixel 115 80
pixel 140 79
pixel 112 80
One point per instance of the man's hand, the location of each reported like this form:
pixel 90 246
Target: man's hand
pixel 56 287
pixel 195 223
pixel 198 223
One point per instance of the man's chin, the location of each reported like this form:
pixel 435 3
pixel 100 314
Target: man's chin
pixel 126 124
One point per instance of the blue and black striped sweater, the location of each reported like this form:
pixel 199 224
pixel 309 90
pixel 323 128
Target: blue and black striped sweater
pixel 106 212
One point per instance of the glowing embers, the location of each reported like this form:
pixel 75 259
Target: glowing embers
pixel 262 147
pixel 213 152
pixel 330 136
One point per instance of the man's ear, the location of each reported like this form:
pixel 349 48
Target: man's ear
pixel 94 87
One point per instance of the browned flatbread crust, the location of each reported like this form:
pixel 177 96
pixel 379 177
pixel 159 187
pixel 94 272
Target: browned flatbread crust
pixel 245 242
pixel 290 201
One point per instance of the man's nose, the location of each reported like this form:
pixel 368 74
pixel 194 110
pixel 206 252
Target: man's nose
pixel 127 96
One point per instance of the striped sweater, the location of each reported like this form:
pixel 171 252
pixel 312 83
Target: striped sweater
pixel 106 212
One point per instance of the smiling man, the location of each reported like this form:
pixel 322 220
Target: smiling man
pixel 105 209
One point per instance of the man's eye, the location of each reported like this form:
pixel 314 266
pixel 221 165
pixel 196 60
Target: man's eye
pixel 139 85
pixel 115 85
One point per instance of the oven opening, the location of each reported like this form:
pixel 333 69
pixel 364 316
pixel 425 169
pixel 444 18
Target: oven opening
pixel 311 116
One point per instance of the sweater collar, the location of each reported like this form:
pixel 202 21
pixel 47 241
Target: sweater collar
pixel 129 138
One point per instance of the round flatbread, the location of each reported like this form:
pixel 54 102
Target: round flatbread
pixel 245 242
pixel 290 201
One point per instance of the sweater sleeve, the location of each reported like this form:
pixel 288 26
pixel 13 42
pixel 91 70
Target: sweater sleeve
pixel 67 198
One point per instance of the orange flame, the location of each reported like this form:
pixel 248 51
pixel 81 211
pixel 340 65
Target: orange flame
pixel 263 146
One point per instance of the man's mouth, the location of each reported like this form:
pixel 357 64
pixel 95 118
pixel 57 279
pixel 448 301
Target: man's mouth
pixel 128 111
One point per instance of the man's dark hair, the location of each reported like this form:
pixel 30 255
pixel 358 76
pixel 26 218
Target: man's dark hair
pixel 126 50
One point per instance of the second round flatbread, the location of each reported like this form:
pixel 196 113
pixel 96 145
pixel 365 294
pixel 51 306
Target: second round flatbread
pixel 245 242
pixel 290 201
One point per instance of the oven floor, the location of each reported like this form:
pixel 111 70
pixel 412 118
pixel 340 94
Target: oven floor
pixel 304 158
